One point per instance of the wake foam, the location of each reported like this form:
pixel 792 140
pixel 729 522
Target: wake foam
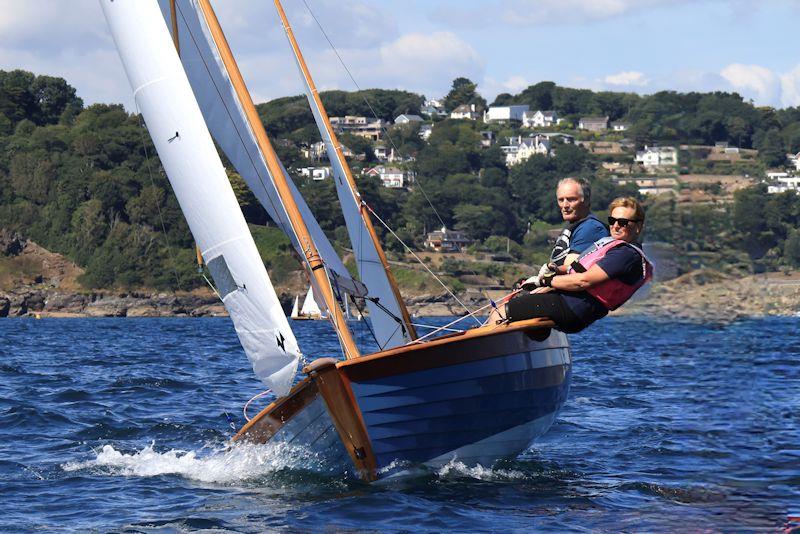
pixel 456 469
pixel 222 465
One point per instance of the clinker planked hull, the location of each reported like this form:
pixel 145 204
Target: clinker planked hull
pixel 477 397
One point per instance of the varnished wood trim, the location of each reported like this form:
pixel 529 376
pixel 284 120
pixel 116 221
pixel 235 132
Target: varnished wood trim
pixel 314 94
pixel 299 227
pixel 476 344
pixel 343 409
pixel 272 418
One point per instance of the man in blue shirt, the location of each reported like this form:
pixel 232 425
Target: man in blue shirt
pixel 574 197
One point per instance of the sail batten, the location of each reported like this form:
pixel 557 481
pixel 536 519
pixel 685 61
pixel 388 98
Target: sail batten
pixel 165 99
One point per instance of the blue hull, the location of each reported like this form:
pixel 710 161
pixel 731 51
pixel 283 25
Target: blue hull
pixel 477 398
pixel 477 412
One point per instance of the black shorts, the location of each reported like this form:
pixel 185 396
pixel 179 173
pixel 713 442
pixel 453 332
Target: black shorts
pixel 550 305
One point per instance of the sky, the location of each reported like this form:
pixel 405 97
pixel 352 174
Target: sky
pixel 641 46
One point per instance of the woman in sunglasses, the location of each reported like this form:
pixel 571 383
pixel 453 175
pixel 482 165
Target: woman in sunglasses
pixel 603 277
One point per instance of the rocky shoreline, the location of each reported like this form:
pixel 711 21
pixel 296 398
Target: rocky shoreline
pixel 51 289
pixel 701 295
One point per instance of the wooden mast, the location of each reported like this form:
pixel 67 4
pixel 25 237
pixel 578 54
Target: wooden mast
pixel 348 174
pixel 316 266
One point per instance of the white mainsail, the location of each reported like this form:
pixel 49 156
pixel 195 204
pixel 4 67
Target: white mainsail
pixel 295 307
pixel 229 126
pixel 387 313
pixel 164 97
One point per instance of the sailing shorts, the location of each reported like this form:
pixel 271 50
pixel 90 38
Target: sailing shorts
pixel 550 305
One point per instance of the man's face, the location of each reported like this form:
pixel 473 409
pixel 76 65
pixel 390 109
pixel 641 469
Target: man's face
pixel 630 232
pixel 570 202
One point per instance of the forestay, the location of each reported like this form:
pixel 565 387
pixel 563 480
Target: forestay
pixel 385 310
pixel 228 124
pixel 164 97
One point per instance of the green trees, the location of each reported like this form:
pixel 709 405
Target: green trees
pixel 463 91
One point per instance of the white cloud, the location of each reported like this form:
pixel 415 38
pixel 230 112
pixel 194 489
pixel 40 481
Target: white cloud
pixel 790 87
pixel 627 78
pixel 753 81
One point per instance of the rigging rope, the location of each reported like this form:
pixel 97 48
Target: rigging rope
pixel 369 105
pixel 419 260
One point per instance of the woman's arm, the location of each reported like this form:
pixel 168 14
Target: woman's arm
pixel 580 281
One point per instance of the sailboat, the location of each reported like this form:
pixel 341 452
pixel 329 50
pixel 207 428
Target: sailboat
pixel 478 395
pixel 310 310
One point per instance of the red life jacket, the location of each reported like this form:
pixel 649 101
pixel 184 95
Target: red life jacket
pixel 612 293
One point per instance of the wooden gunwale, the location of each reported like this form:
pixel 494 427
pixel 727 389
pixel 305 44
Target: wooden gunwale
pixel 272 418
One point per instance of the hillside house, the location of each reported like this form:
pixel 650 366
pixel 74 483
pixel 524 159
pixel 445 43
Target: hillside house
pixel 425 131
pixel 316 151
pixel 487 138
pixel 521 148
pixel 540 119
pixel 505 113
pixel 465 111
pixel 316 173
pixel 654 157
pixel 620 126
pixel 593 124
pixel 406 119
pixel 390 177
pixel 783 184
pixel 371 129
pixel 445 240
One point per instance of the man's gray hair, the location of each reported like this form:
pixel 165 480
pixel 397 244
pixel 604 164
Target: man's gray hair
pixel 586 189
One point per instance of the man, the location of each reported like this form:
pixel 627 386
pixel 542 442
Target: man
pixel 602 278
pixel 574 200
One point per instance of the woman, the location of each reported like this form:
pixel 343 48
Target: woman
pixel 601 279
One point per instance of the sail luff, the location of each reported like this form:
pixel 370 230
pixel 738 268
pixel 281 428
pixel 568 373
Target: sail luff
pixel 165 99
pixel 315 264
pixel 336 156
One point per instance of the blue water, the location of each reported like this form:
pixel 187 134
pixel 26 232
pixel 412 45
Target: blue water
pixel 120 425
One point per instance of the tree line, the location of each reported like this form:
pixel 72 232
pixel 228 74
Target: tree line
pixel 85 181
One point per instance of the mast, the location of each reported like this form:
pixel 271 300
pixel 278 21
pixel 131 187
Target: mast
pixel 314 94
pixel 315 265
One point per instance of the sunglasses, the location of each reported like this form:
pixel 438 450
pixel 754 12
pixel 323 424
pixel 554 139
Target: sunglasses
pixel 621 221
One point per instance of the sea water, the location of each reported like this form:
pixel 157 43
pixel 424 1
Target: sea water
pixel 123 425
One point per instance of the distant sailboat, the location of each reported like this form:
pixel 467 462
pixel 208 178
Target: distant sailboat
pixel 479 395
pixel 310 309
pixel 295 308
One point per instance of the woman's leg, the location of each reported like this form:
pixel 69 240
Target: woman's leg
pixel 550 305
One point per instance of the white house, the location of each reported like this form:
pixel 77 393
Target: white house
pixel 316 173
pixel 619 126
pixel 391 177
pixel 521 148
pixel 405 119
pixel 425 131
pixel 505 113
pixel 540 119
pixel 783 184
pixel 465 111
pixel 657 156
